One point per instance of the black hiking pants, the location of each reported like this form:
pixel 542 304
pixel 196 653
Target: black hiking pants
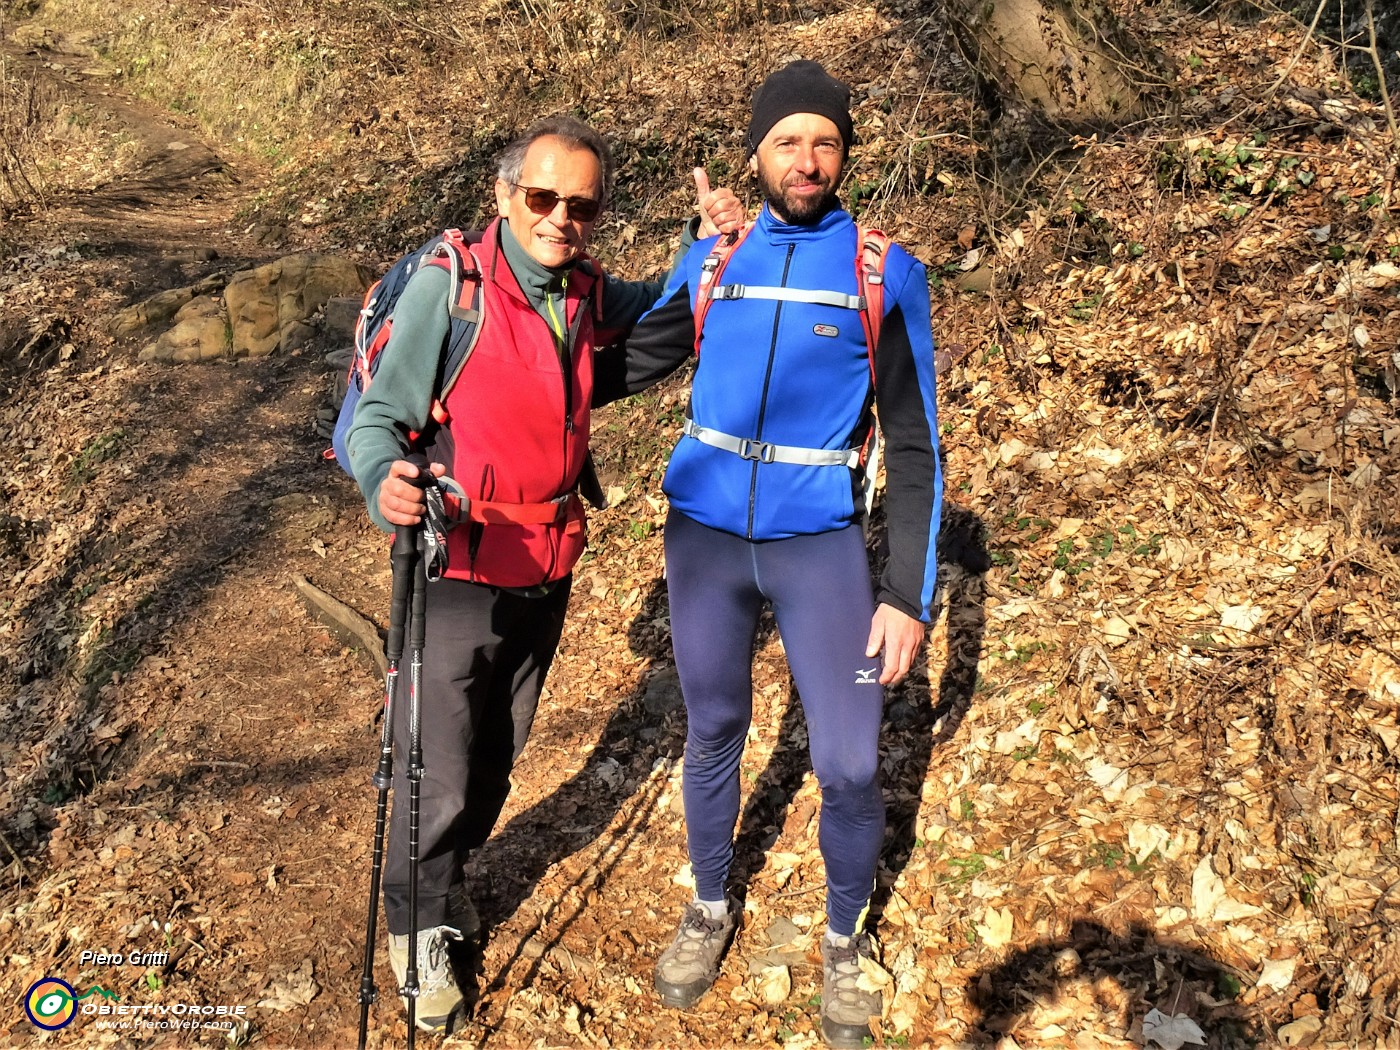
pixel 485 656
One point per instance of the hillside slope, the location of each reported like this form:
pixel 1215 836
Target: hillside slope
pixel 1151 761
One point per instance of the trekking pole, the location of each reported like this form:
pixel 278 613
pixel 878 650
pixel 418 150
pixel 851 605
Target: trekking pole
pixel 430 539
pixel 404 561
pixel 417 615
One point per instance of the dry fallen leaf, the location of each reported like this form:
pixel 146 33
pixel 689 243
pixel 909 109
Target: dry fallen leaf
pixel 1277 974
pixel 296 989
pixel 1171 1033
pixel 874 977
pixel 995 928
pixel 1209 900
pixel 774 985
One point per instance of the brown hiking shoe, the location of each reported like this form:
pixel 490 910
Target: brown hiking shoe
pixel 690 965
pixel 846 1007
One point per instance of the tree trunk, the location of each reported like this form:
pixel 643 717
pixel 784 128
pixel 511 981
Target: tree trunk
pixel 1071 61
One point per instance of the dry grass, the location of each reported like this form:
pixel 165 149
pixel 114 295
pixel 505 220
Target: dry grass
pixel 22 115
pixel 51 143
pixel 249 74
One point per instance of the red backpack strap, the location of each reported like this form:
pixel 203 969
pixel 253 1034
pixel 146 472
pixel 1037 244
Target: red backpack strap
pixel 872 247
pixel 464 309
pixel 710 271
pixel 466 275
pixel 367 347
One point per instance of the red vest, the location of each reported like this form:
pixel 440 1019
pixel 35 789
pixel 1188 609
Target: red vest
pixel 518 424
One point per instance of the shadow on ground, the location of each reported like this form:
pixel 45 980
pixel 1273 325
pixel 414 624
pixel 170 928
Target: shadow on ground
pixel 1143 970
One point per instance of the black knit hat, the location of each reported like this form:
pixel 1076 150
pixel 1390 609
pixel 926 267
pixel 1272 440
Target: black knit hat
pixel 800 87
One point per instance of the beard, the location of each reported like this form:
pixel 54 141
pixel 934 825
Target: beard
pixel 793 208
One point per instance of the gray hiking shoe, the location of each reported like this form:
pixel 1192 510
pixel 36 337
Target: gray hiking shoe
pixel 438 995
pixel 846 1007
pixel 690 965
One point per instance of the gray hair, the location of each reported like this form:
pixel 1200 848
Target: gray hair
pixel 575 134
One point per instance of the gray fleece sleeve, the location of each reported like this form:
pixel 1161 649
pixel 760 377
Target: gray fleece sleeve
pixel 400 399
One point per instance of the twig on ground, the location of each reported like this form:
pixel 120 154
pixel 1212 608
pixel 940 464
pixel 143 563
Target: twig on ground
pixel 1297 55
pixel 1375 54
pixel 11 850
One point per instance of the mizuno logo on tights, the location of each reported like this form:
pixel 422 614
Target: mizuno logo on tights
pixel 867 677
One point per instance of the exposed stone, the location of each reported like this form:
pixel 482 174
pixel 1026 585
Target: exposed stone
pixel 200 334
pixel 663 694
pixel 158 309
pixel 267 305
pixel 297 334
pixel 342 311
pixel 161 307
pixel 272 236
pixel 32 35
pixel 200 306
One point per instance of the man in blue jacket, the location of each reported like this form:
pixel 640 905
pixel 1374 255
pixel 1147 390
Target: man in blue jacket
pixel 765 488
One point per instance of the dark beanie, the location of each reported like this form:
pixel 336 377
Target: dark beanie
pixel 800 87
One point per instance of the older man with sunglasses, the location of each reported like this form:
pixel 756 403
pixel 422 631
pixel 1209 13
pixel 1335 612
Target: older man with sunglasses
pixel 516 437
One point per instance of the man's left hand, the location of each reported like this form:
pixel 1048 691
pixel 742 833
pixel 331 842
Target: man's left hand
pixel 900 636
pixel 720 210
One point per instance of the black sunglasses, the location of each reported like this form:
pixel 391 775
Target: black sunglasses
pixel 543 202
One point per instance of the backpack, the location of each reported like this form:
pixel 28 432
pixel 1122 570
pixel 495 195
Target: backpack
pixel 872 249
pixel 451 250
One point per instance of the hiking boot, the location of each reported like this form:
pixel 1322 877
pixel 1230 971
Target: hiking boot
pixel 846 1007
pixel 438 995
pixel 463 913
pixel 690 965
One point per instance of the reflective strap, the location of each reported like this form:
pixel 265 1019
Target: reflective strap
pixel 788 295
pixel 764 452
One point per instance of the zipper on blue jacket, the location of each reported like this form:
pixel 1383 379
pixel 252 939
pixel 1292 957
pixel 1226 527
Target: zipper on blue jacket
pixel 767 378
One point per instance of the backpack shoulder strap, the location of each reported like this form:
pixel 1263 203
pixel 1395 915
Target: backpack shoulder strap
pixel 592 270
pixel 710 271
pixel 872 248
pixel 464 309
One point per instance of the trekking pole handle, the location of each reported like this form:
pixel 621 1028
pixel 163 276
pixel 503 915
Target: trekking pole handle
pixel 418 594
pixel 406 536
pixel 404 559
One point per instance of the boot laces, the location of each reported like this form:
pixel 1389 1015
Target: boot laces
pixel 433 961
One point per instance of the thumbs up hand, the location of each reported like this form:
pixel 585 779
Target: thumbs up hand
pixel 720 210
